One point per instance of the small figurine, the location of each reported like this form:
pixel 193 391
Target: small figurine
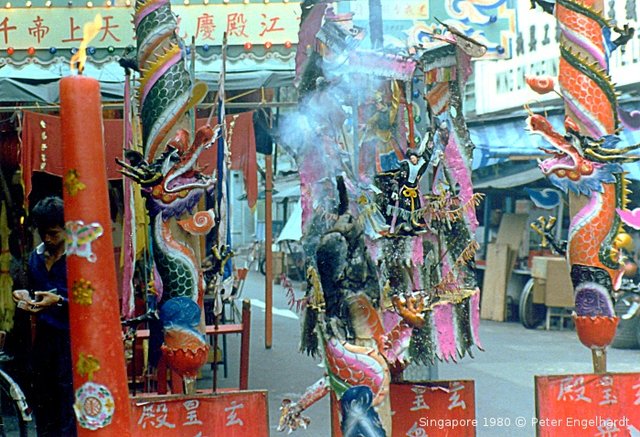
pixel 406 214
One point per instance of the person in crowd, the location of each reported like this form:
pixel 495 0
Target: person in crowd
pixel 46 297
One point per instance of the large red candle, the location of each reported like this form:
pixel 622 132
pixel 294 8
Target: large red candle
pixel 99 374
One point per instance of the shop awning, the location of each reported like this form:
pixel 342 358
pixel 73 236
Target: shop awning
pixel 507 140
pixel 507 181
pixel 39 84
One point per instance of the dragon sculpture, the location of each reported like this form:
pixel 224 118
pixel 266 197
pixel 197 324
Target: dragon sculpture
pixel 586 161
pixel 589 168
pixel 171 180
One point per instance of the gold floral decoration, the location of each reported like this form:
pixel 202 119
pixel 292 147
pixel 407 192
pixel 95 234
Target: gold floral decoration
pixel 72 182
pixel 87 365
pixel 82 292
pixel 43 145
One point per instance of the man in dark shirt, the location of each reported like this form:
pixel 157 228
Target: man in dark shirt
pixel 47 298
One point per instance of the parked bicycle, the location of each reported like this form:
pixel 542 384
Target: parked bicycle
pixel 533 314
pixel 16 419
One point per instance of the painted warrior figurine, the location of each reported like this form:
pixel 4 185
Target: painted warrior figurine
pixel 412 170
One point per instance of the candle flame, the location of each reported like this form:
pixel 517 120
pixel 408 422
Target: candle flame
pixel 89 31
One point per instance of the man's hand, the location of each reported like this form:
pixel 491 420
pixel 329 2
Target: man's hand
pixel 19 295
pixel 24 302
pixel 46 299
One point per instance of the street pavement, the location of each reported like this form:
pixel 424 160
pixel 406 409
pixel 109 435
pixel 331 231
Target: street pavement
pixel 503 373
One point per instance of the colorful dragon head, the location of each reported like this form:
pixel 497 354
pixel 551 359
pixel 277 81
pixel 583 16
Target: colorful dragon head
pixel 173 183
pixel 578 163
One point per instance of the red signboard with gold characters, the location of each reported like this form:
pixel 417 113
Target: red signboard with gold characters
pixel 591 404
pixel 230 414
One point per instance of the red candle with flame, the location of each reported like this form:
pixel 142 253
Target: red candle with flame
pixel 99 374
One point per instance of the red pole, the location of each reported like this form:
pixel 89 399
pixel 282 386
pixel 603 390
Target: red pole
pixel 99 374
pixel 245 340
pixel 268 255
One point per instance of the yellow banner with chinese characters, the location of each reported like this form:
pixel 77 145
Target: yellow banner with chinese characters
pixel 43 28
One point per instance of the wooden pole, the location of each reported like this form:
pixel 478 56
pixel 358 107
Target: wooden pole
pixel 268 241
pixel 599 359
pixel 192 72
pixel 245 341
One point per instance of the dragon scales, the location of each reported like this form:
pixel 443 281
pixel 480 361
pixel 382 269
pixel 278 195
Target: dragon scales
pixel 586 161
pixel 171 180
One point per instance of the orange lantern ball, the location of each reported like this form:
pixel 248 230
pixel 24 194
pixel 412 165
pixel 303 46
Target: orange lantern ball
pixel 268 45
pixel 10 51
pixel 288 44
pixel 248 46
pixel 31 51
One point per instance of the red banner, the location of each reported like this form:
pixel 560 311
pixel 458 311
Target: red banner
pixel 42 148
pixel 231 414
pixel 589 404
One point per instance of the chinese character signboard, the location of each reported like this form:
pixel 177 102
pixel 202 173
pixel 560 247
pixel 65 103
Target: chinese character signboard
pixel 60 28
pixel 428 409
pixel 589 404
pixel 232 414
pixel 489 22
pixel 536 53
pixel 434 408
pixel 44 28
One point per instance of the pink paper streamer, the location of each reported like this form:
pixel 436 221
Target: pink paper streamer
pixel 474 314
pixel 443 319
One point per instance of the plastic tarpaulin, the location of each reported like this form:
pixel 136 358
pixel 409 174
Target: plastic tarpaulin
pixel 292 230
pixel 39 84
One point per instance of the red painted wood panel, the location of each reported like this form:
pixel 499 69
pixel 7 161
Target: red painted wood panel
pixel 229 414
pixel 588 404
